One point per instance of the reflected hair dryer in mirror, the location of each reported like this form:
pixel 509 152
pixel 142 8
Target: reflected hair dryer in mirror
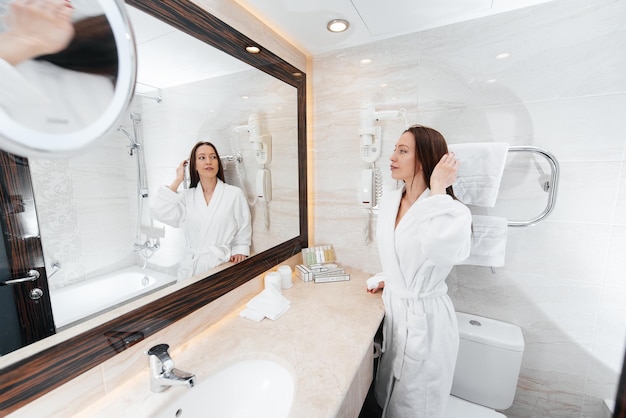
pixel 262 143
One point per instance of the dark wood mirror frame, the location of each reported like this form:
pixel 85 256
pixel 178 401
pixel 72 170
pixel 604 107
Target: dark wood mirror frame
pixel 32 377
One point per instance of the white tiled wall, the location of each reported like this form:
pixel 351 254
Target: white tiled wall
pixel 562 88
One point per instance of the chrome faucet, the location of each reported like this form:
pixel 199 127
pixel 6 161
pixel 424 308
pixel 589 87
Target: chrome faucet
pixel 149 246
pixel 162 371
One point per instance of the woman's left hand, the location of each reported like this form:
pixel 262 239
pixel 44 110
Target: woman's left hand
pixel 444 174
pixel 237 258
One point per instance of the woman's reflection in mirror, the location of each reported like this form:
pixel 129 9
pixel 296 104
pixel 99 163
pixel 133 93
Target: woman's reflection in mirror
pixel 48 76
pixel 214 215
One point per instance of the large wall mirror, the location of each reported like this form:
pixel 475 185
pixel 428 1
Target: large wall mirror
pixel 207 90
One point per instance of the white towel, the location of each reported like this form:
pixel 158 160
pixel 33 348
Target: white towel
pixel 488 241
pixel 480 171
pixel 269 303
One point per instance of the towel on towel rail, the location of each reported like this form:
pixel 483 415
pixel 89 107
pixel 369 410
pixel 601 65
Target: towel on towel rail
pixel 489 235
pixel 480 172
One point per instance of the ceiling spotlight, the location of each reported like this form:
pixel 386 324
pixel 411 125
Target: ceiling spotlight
pixel 337 25
pixel 253 49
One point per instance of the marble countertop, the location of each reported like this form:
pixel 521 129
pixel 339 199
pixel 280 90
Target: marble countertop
pixel 322 340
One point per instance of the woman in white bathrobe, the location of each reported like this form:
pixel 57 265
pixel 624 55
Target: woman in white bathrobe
pixel 423 231
pixel 214 215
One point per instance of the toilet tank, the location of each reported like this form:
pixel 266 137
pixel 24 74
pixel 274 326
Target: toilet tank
pixel 489 361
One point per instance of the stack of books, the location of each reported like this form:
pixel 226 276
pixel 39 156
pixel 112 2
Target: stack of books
pixel 321 273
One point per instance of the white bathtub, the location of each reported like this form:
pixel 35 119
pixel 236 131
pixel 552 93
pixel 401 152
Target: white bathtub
pixel 81 300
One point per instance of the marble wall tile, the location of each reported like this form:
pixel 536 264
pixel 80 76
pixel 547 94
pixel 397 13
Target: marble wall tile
pixel 580 129
pixel 541 64
pixel 560 250
pixel 619 218
pixel 577 129
pixel 587 192
pixel 611 328
pixel 616 262
pixel 58 218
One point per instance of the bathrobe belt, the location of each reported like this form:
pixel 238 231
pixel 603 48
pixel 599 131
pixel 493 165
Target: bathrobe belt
pixel 220 253
pixel 217 250
pixel 410 299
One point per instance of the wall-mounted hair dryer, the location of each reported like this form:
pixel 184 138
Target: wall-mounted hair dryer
pixel 370 133
pixel 262 143
pixel 264 184
pixel 371 149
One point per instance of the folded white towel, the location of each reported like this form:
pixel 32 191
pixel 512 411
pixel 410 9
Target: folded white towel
pixel 480 171
pixel 488 241
pixel 251 314
pixel 269 303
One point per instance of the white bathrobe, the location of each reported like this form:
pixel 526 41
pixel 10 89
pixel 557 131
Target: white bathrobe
pixel 420 330
pixel 213 232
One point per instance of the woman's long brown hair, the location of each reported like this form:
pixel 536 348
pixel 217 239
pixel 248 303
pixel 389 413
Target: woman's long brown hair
pixel 430 146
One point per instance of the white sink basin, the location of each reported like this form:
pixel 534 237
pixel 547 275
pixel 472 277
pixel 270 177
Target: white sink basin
pixel 249 388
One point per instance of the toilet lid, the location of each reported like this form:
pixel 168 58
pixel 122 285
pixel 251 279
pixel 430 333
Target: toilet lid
pixel 459 408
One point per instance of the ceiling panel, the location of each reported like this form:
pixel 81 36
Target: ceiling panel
pixel 303 23
pixel 410 15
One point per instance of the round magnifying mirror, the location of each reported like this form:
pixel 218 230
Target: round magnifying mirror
pixel 55 105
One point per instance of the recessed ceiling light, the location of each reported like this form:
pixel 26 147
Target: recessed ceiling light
pixel 503 56
pixel 337 25
pixel 253 49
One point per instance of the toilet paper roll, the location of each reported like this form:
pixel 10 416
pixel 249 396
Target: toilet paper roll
pixel 273 279
pixel 285 274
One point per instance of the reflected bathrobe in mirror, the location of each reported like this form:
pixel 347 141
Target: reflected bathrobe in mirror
pixel 420 331
pixel 213 232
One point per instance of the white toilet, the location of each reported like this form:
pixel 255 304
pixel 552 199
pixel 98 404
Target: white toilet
pixel 487 367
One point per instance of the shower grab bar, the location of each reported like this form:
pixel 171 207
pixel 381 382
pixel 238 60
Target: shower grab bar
pixel 552 185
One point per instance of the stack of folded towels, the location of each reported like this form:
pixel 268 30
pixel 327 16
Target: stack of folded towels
pixel 478 184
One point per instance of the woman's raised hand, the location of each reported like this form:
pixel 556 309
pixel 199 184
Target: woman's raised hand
pixel 444 174
pixel 180 171
pixel 180 175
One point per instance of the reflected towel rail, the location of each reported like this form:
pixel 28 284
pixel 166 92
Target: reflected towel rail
pixel 551 186
pixel 236 158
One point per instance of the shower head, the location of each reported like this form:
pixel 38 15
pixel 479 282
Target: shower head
pixel 130 137
pixel 123 130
